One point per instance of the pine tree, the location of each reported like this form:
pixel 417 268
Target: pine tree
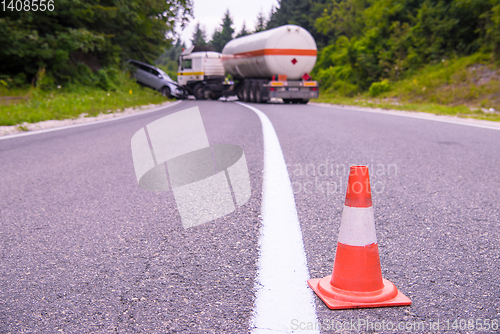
pixel 224 34
pixel 293 12
pixel 279 16
pixel 243 31
pixel 271 15
pixel 261 22
pixel 171 54
pixel 199 36
pixel 302 13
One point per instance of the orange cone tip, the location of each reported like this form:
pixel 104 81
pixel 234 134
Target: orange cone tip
pixel 356 280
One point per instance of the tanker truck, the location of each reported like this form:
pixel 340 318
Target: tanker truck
pixel 270 64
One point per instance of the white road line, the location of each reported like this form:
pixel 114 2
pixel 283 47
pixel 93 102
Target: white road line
pixel 425 116
pixel 283 299
pixel 36 132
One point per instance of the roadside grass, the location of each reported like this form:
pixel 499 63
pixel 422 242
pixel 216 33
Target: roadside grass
pixel 463 87
pixel 72 101
pixel 432 108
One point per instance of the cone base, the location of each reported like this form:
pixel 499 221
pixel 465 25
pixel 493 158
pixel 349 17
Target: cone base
pixel 337 299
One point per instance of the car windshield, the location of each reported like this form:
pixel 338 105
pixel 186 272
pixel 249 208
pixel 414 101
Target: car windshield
pixel 164 75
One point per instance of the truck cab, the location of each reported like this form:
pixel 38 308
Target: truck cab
pixel 201 73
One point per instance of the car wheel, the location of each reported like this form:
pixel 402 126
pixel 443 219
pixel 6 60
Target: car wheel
pixel 165 91
pixel 199 92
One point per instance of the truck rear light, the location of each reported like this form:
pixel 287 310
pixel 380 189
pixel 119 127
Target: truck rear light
pixel 272 89
pixel 314 88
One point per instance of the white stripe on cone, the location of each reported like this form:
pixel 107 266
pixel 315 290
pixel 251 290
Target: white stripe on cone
pixel 357 227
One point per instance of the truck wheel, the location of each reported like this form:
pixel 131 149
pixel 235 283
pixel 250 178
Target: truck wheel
pixel 287 101
pixel 258 92
pixel 199 92
pixel 251 91
pixel 185 93
pixel 246 93
pixel 165 91
pixel 303 101
pixel 239 92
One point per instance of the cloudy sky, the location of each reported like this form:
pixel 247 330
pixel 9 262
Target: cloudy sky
pixel 210 12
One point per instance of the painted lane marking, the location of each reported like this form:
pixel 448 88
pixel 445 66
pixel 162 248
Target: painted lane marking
pixel 283 299
pixel 36 132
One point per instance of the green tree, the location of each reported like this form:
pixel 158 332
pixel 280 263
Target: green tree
pixel 199 36
pixel 224 34
pixel 300 12
pixel 342 18
pixel 168 61
pixel 243 31
pixel 172 53
pixel 272 13
pixel 261 24
pixel 491 36
pixel 93 34
pixel 390 38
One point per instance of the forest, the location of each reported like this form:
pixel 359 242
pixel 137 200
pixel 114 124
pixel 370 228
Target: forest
pixel 367 41
pixel 84 41
pixel 363 45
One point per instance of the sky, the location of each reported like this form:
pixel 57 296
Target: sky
pixel 209 14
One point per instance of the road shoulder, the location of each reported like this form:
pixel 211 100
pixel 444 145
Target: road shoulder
pixel 416 114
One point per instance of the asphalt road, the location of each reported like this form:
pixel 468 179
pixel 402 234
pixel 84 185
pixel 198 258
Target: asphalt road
pixel 83 249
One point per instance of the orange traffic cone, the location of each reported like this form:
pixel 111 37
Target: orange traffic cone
pixel 356 280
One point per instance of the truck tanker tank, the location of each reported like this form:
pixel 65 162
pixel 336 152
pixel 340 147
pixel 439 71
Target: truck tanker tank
pixel 287 50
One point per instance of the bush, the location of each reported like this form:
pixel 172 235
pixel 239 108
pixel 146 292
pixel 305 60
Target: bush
pixel 44 81
pixel 106 79
pixel 378 88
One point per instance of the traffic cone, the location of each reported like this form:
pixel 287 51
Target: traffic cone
pixel 356 280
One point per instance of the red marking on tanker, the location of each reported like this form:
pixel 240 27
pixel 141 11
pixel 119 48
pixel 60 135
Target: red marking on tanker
pixel 274 52
pixel 294 61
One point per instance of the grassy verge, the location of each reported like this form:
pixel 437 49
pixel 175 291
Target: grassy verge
pixel 432 108
pixel 72 101
pixel 463 87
